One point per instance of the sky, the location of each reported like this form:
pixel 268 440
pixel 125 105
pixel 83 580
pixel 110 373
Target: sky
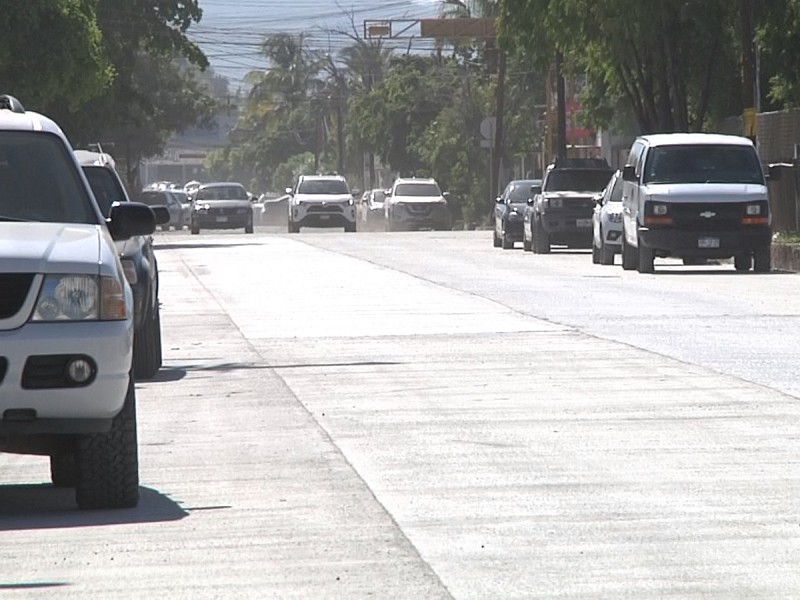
pixel 232 31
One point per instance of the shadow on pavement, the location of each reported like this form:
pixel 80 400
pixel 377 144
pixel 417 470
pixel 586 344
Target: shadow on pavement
pixel 187 245
pixel 42 506
pixel 165 375
pixel 250 366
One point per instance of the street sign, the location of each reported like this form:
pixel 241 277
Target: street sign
pixel 488 128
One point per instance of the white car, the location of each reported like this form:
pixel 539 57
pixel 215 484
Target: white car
pixel 66 315
pixel 416 203
pixel 321 201
pixel 607 222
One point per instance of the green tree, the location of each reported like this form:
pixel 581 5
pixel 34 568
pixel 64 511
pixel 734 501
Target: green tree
pixel 672 60
pixel 52 51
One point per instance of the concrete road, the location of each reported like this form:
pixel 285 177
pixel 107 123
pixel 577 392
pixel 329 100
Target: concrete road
pixel 423 416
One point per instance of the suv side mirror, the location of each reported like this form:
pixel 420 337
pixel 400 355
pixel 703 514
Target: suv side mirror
pixel 629 173
pixel 129 219
pixel 290 191
pixel 498 200
pixel 530 201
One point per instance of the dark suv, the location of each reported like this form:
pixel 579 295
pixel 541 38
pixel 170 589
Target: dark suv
pixel 138 261
pixel 562 213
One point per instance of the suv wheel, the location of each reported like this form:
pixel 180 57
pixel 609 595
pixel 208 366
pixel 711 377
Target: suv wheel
pixel 350 228
pixel 194 228
pixel 762 259
pixel 507 243
pixel 743 262
pixel 249 227
pixel 147 357
pixel 606 254
pixel 541 240
pixel 108 463
pixel 629 258
pixel 646 259
pixel 63 470
pixel 496 241
pixel 596 254
pixel 526 244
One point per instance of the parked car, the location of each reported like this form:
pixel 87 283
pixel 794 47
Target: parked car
pixel 66 315
pixel 221 205
pixel 138 262
pixel 509 209
pixel 414 203
pixel 372 207
pixel 607 222
pixel 321 201
pixel 562 213
pixel 695 196
pixel 186 206
pixel 165 198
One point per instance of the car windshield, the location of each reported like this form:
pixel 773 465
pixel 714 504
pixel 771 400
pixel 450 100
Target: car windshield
pixel 703 164
pixel 153 198
pixel 520 192
pixel 577 180
pixel 39 181
pixel 616 191
pixel 417 189
pixel 323 186
pixel 105 187
pixel 222 192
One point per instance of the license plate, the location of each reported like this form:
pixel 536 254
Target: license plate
pixel 324 217
pixel 222 219
pixel 708 242
pixel 583 223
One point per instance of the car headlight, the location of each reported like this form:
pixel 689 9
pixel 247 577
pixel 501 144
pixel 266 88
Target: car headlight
pixel 660 210
pixel 201 207
pixel 753 209
pixel 80 298
pixel 555 202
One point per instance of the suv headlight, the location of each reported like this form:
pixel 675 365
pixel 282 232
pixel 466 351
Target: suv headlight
pixel 555 202
pixel 753 209
pixel 80 298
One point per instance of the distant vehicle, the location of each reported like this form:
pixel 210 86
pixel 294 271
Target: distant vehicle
pixel 562 213
pixel 221 205
pixel 321 201
pixel 695 196
pixel 138 262
pixel 166 198
pixel 509 210
pixel 607 222
pixel 372 207
pixel 186 206
pixel 416 203
pixel 66 316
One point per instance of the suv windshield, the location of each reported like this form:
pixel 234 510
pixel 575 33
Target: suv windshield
pixel 39 182
pixel 222 192
pixel 703 164
pixel 417 189
pixel 521 191
pixel 577 180
pixel 323 186
pixel 105 187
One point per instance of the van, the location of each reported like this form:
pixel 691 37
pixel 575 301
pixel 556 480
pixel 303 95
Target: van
pixel 695 196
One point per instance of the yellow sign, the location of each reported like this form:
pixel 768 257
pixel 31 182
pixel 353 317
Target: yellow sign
pixel 750 124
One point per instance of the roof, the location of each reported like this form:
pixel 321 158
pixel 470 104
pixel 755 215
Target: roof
pixel 88 158
pixel 27 121
pixel 525 182
pixel 312 177
pixel 219 184
pixel 694 139
pixel 415 180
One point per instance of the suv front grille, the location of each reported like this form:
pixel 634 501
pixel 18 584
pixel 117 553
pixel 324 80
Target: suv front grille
pixel 708 217
pixel 13 291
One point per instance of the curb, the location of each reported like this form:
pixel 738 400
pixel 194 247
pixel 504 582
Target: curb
pixel 786 257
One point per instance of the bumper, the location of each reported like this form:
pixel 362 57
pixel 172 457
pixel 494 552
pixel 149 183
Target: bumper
pixel 568 228
pixel 66 409
pixel 210 221
pixel 707 244
pixel 332 216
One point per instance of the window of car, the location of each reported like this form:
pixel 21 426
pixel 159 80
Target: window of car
pixel 519 193
pixel 706 163
pixel 153 198
pixel 39 181
pixel 577 180
pixel 417 189
pixel 222 192
pixel 323 186
pixel 616 191
pixel 105 187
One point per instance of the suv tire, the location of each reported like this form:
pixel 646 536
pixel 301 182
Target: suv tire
pixel 762 259
pixel 249 227
pixel 108 463
pixel 596 254
pixel 541 240
pixel 63 470
pixel 350 228
pixel 496 241
pixel 629 257
pixel 606 254
pixel 742 262
pixel 147 357
pixel 194 229
pixel 647 258
pixel 506 243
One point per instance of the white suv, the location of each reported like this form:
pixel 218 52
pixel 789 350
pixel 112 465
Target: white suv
pixel 321 201
pixel 66 316
pixel 416 204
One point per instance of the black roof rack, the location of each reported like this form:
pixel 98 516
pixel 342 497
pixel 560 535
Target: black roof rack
pixel 10 103
pixel 580 163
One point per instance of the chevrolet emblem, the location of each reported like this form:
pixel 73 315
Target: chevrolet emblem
pixel 708 214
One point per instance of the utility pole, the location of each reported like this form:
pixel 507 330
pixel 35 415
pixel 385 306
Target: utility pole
pixel 749 118
pixel 500 100
pixel 561 93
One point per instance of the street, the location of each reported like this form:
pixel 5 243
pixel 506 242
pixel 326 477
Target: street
pixel 420 415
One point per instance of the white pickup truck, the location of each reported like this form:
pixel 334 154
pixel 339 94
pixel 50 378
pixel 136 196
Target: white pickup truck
pixel 66 316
